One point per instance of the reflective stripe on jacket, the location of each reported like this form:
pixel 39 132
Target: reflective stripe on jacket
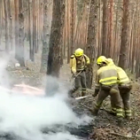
pixel 106 75
pixel 78 65
pixel 122 76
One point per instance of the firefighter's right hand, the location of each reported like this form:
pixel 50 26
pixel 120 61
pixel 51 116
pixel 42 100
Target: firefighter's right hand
pixel 95 93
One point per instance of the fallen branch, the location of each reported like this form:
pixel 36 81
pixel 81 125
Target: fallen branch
pixel 121 135
pixel 125 136
pixel 83 97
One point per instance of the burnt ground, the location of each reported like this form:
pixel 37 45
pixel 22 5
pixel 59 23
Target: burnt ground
pixel 106 126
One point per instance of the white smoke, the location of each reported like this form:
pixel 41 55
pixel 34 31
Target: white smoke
pixel 25 116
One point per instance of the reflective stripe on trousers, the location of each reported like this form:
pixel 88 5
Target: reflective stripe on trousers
pixel 119 112
pixel 128 113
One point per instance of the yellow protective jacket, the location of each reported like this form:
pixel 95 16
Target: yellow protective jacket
pixel 122 76
pixel 78 65
pixel 106 75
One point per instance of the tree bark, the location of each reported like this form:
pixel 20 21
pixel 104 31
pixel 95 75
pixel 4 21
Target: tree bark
pixel 124 36
pixel 20 48
pixel 6 26
pixel 1 25
pixel 45 36
pixel 34 27
pixel 72 24
pixel 31 31
pixel 16 26
pixel 105 28
pixel 10 25
pixel 55 57
pixel 91 39
pixel 111 29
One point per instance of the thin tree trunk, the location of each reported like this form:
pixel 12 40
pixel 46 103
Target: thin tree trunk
pixel 99 31
pixel 16 27
pixel 34 26
pixel 6 26
pixel 72 24
pixel 111 29
pixel 116 28
pixel 30 31
pixel 104 29
pixel 10 25
pixel 20 49
pixel 1 25
pixel 68 31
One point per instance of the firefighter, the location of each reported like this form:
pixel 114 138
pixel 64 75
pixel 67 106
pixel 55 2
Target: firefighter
pixel 125 87
pixel 78 64
pixel 106 84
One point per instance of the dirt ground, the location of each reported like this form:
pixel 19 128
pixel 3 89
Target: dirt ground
pixel 107 126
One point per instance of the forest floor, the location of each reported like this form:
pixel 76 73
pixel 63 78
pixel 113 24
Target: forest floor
pixel 107 126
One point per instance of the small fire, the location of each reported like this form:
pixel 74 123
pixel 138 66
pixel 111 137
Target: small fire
pixel 24 89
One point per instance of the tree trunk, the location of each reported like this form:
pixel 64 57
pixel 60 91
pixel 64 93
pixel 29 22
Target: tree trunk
pixel 111 29
pixel 20 49
pixel 6 26
pixel 16 27
pixel 124 36
pixel 104 28
pixel 55 57
pixel 72 24
pixel 99 30
pixel 91 39
pixel 34 26
pixel 31 31
pixel 116 28
pixel 1 27
pixel 10 25
pixel 68 31
pixel 45 37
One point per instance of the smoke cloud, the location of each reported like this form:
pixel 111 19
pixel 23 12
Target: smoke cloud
pixel 26 117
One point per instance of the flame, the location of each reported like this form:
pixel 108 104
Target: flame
pixel 24 89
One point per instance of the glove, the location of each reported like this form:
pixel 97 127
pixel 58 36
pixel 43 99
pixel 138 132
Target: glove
pixel 95 93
